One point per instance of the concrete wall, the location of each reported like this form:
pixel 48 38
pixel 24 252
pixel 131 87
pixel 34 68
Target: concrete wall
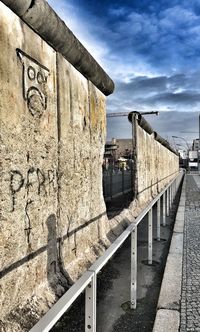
pixel 156 165
pixel 53 125
pixel 82 138
pixel 29 159
pixel 53 214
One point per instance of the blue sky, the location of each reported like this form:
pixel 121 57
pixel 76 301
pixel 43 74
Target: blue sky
pixel 151 49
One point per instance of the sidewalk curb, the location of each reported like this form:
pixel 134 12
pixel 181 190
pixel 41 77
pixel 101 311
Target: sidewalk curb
pixel 168 308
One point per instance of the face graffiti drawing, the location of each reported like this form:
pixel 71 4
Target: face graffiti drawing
pixel 34 84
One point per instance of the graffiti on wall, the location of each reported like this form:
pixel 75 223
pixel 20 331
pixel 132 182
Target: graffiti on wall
pixel 34 78
pixel 37 181
pixel 32 184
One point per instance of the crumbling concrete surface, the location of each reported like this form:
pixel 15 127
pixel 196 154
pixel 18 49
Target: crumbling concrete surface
pixel 29 163
pixel 53 216
pixel 156 165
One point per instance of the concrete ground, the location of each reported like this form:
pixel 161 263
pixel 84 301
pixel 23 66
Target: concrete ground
pixel 113 310
pixel 168 307
pixel 113 291
pixel 179 300
pixel 190 300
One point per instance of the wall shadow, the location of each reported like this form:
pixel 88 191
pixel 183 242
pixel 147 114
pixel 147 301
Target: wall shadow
pixel 55 262
pixel 52 254
pixel 58 278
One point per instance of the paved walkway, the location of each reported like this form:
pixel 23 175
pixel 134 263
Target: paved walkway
pixel 190 302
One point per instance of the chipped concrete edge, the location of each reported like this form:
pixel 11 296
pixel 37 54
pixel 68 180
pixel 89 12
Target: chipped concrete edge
pixel 168 308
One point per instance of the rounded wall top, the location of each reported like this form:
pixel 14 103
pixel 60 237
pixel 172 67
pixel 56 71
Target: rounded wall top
pixel 19 6
pixel 146 126
pixel 43 20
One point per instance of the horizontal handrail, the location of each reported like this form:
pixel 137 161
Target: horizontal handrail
pixel 53 315
pixel 59 308
pixel 101 261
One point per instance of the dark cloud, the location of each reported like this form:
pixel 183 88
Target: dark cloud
pixel 177 92
pixel 144 84
pixel 152 51
pixel 164 35
pixel 182 98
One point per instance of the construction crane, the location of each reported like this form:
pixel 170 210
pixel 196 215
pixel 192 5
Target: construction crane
pixel 113 115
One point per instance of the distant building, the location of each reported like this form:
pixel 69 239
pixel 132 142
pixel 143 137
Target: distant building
pixel 183 158
pixel 183 154
pixel 110 152
pixel 117 148
pixel 195 144
pixel 124 148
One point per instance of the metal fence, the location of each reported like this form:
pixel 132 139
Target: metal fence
pixel 88 281
pixel 117 182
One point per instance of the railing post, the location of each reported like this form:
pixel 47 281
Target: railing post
pixel 90 306
pixel 158 220
pixel 174 190
pixel 164 209
pixel 111 178
pixel 134 268
pixel 175 186
pixel 132 176
pixel 123 178
pixel 171 196
pixel 150 237
pixel 171 200
pixel 167 200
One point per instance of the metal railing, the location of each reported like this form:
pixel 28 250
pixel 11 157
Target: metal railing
pixel 88 281
pixel 117 182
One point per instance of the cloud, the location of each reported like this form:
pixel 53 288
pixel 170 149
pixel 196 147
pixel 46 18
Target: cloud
pixel 167 124
pixel 151 50
pixel 165 40
pixel 118 11
pixel 176 92
pixel 136 37
pixel 71 15
pixel 181 99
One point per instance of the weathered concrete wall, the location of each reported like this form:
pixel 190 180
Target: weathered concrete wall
pixel 53 125
pixel 53 215
pixel 156 165
pixel 82 138
pixel 29 158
